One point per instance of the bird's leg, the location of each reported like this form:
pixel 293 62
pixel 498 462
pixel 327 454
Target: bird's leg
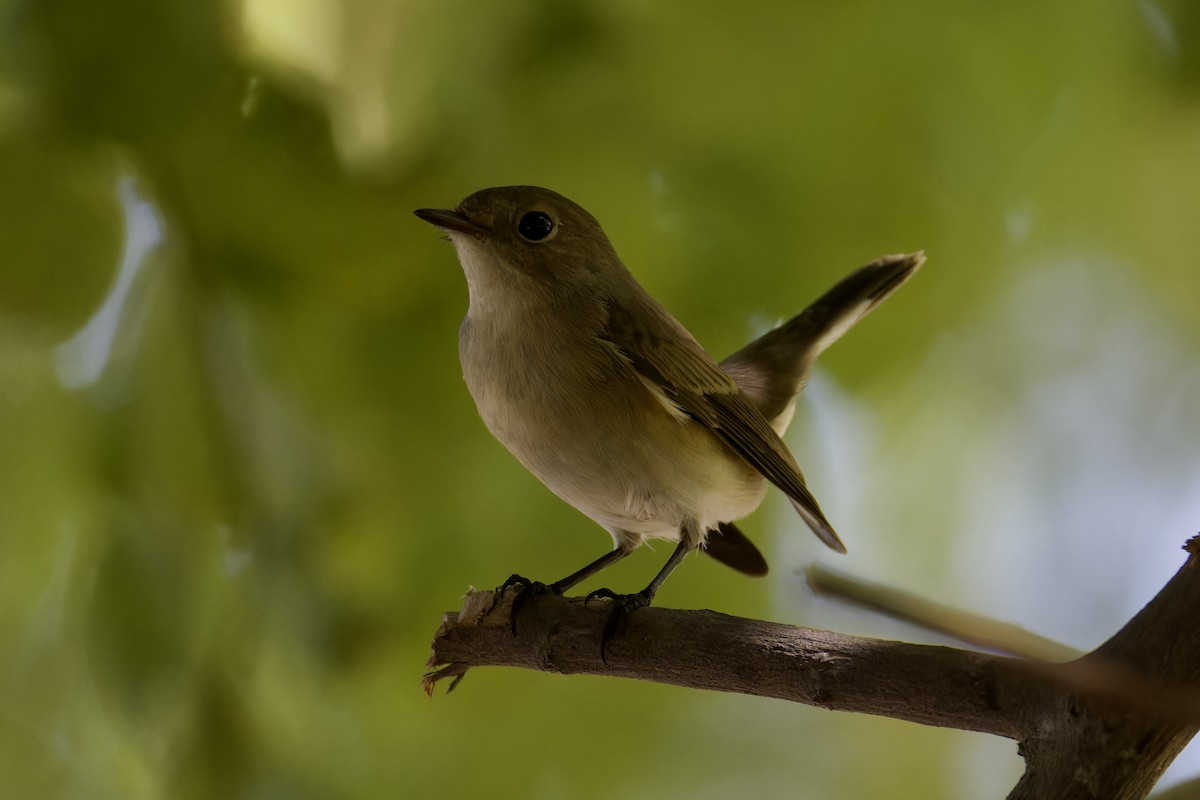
pixel 606 560
pixel 531 589
pixel 625 604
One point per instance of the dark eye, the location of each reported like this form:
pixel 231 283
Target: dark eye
pixel 535 226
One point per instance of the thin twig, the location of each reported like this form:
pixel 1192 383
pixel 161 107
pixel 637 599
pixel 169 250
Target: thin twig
pixel 965 626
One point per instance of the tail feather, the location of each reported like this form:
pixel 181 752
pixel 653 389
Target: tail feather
pixel 730 546
pixel 773 368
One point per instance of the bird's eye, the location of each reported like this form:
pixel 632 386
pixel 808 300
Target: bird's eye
pixel 535 226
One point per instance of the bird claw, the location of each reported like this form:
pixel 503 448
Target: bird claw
pixel 529 590
pixel 622 606
pixel 607 594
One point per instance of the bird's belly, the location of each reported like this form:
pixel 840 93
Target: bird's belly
pixel 617 455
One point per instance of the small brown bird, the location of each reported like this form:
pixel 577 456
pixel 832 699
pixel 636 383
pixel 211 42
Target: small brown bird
pixel 612 404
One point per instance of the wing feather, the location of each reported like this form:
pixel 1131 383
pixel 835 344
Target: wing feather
pixel 665 355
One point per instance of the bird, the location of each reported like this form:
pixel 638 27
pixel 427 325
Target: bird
pixel 613 405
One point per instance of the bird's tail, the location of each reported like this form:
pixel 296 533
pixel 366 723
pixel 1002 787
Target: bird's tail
pixel 773 368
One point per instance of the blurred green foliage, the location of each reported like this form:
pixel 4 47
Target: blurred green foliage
pixel 234 505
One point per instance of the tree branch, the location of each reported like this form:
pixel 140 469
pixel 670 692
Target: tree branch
pixel 971 629
pixel 1102 726
pixel 928 684
pixel 1083 747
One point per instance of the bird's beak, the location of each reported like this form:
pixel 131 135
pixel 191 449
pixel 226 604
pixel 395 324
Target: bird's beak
pixel 449 220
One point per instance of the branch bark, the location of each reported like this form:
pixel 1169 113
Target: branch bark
pixel 928 684
pixel 1087 747
pixel 1103 726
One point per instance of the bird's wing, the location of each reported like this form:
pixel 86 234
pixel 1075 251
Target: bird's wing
pixel 672 362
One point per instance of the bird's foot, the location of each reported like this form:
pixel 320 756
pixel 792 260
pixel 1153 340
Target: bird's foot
pixel 622 606
pixel 529 590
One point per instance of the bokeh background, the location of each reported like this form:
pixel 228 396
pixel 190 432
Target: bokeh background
pixel 241 479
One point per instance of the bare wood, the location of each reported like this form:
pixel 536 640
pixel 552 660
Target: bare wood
pixel 928 684
pixel 1083 747
pixel 1103 726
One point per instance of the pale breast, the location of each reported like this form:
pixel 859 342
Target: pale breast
pixel 581 420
